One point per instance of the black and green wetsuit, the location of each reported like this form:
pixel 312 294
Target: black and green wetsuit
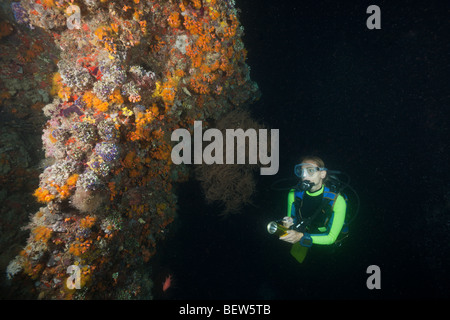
pixel 322 228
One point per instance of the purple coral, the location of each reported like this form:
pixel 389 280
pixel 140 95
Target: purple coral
pixel 107 151
pixel 89 181
pixel 20 14
pixel 107 131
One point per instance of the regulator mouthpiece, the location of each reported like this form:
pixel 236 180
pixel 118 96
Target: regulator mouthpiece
pixel 306 185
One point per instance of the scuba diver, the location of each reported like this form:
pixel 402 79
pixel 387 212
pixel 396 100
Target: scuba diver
pixel 316 211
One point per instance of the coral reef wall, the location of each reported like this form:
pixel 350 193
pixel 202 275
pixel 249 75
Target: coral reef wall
pixel 27 61
pixel 129 72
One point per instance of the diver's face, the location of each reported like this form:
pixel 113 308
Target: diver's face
pixel 311 173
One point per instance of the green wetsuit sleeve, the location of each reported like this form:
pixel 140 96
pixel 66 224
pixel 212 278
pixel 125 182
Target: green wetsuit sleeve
pixel 338 219
pixel 291 198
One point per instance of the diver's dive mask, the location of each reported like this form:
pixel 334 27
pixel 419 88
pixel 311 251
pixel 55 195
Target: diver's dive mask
pixel 304 170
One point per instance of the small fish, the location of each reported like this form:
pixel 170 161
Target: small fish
pixel 167 283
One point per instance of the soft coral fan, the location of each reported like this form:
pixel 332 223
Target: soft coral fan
pixel 128 76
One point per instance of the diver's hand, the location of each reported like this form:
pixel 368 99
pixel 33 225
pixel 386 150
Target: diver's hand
pixel 287 222
pixel 292 236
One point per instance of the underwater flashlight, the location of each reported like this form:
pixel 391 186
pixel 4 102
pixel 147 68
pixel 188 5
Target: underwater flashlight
pixel 276 228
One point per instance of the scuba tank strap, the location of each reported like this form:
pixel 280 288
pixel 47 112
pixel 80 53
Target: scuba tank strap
pixel 330 196
pixel 295 199
pixel 305 223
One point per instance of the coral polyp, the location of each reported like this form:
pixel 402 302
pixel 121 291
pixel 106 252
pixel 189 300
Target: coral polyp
pixel 129 73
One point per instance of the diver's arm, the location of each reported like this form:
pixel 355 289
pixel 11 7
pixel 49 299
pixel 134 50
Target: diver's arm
pixel 290 214
pixel 290 203
pixel 338 219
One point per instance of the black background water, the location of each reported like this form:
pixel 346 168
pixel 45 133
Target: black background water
pixel 372 103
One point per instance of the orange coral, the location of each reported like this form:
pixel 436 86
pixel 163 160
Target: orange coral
pixel 116 97
pixel 214 14
pixel 43 195
pixel 42 233
pixel 179 73
pixel 64 93
pixel 157 44
pixel 48 3
pixel 105 35
pixel 72 180
pixel 78 248
pixel 56 83
pixel 194 27
pixel 230 31
pixel 168 92
pixel 59 88
pixel 128 162
pixel 142 131
pixel 204 42
pixel 112 188
pixel 163 152
pixel 101 32
pixel 101 106
pixel 143 25
pixel 115 27
pixel 206 72
pixel 92 101
pixel 134 98
pixel 134 173
pixel 64 191
pixel 198 86
pixel 160 208
pixel 87 222
pixel 197 4
pixel 174 20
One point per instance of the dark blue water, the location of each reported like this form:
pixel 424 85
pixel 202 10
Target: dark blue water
pixel 370 103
